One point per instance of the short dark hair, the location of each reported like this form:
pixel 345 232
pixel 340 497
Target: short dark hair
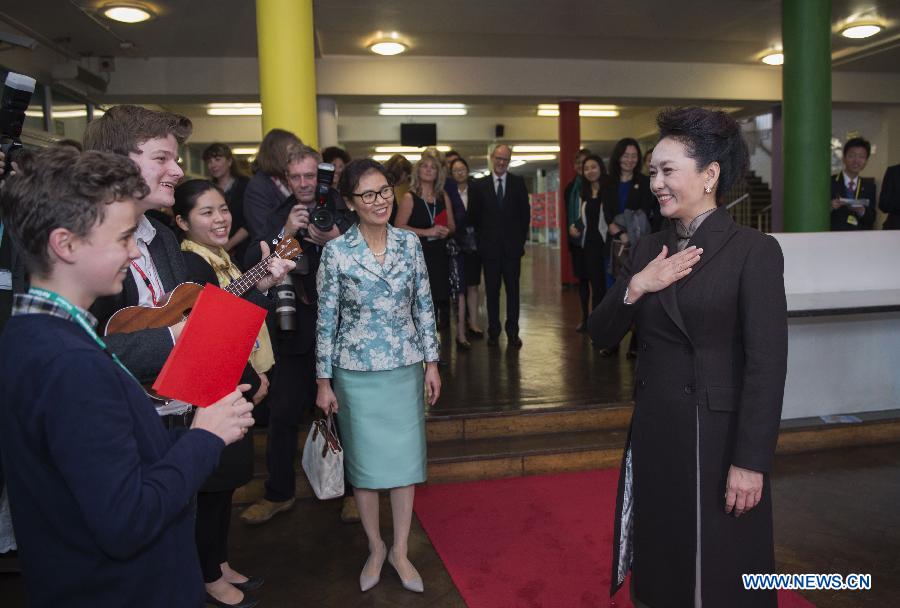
pixel 585 184
pixel 332 152
pixel 123 128
pixel 858 142
pixel 396 166
pixel 354 171
pixel 615 159
pixel 459 159
pixel 187 193
pixel 67 189
pixel 708 136
pixel 583 152
pixel 272 156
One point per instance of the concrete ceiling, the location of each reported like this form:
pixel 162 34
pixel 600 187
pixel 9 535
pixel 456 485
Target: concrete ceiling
pixel 730 31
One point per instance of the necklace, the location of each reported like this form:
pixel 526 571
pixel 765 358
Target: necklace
pixel 377 254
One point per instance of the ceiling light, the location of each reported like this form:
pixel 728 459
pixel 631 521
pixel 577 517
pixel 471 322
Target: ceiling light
pixel 406 149
pixel 535 148
pixel 127 13
pixel 384 157
pixel 390 43
pixel 234 109
pixel 532 157
pixel 245 151
pixel 586 110
pixel 422 109
pixel 516 163
pixel 776 58
pixel 860 30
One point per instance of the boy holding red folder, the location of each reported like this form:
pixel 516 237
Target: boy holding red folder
pixel 99 490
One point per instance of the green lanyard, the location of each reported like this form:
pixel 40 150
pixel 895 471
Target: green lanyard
pixel 79 318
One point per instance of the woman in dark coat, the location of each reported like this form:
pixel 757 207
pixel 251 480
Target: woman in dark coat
pixel 694 508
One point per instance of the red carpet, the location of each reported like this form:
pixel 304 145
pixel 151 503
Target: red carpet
pixel 530 542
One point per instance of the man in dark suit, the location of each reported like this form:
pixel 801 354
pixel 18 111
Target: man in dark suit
pixel 500 212
pixel 848 184
pixel 890 198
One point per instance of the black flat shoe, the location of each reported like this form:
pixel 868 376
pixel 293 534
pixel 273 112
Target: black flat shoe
pixel 463 344
pixel 475 334
pixel 493 341
pixel 247 602
pixel 251 584
pixel 514 342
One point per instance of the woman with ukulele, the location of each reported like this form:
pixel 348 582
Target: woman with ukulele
pixel 204 220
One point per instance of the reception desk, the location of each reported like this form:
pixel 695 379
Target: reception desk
pixel 843 296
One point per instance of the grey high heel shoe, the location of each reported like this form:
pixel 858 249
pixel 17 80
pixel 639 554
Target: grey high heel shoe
pixel 413 584
pixel 367 582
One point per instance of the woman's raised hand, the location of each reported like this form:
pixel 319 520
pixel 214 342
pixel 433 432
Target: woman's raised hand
pixel 663 271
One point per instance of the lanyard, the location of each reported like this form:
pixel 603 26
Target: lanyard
pixel 431 212
pixel 147 282
pixel 858 181
pixel 1 233
pixel 79 318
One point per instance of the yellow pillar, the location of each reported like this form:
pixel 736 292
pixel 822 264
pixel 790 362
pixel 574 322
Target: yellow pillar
pixel 287 67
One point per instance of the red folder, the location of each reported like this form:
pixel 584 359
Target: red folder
pixel 212 351
pixel 441 218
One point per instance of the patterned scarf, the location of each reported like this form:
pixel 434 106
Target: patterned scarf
pixel 686 233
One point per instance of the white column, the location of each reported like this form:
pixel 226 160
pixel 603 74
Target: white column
pixel 326 111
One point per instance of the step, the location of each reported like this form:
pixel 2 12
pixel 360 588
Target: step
pixel 493 456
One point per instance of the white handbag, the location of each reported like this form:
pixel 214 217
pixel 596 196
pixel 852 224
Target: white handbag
pixel 323 460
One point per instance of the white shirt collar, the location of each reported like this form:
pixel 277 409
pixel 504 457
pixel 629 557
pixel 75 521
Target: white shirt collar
pixel 847 179
pixel 145 231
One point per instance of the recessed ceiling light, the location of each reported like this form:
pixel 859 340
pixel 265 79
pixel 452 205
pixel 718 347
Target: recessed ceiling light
pixel 406 149
pixel 534 148
pixel 422 109
pixel 776 58
pixel 387 43
pixel 383 157
pixel 234 109
pixel 860 30
pixel 533 157
pixel 586 110
pixel 127 13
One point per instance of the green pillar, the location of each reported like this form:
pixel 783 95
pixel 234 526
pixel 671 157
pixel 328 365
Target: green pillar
pixel 806 36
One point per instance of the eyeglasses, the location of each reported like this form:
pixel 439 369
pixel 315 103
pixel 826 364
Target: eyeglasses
pixel 369 196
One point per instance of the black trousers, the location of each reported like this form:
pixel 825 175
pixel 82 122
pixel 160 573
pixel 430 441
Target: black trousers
pixel 292 392
pixel 508 269
pixel 211 532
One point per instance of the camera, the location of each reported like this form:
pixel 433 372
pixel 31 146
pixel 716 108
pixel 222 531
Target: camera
pixel 322 217
pixel 286 305
pixel 17 92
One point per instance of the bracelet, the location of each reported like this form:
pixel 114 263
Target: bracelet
pixel 625 299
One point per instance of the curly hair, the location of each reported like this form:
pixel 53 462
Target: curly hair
pixel 67 189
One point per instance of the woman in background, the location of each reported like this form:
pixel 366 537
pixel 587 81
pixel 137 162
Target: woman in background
pixel 228 176
pixel 467 261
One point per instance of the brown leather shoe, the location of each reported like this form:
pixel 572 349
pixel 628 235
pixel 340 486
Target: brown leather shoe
pixel 263 510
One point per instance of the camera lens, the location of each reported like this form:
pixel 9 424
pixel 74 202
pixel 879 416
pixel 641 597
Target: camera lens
pixel 286 305
pixel 322 218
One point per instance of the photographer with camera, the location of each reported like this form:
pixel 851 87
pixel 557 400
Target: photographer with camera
pixel 315 213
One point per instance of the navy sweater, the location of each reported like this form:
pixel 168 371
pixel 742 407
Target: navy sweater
pixel 100 492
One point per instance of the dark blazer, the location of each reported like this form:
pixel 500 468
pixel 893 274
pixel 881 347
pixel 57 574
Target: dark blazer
pixel 144 352
pixel 712 359
pixel 890 197
pixel 302 340
pixel 639 197
pixel 501 229
pixel 261 198
pixel 840 215
pixel 100 492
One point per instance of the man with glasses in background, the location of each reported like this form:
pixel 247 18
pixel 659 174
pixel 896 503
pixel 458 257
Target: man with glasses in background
pixel 501 214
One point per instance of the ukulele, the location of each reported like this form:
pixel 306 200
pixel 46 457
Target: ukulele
pixel 177 305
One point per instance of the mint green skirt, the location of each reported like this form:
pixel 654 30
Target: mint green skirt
pixel 381 417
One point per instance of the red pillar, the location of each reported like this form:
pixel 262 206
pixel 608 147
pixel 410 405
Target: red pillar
pixel 569 144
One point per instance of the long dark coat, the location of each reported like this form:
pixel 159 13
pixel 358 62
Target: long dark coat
pixel 710 377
